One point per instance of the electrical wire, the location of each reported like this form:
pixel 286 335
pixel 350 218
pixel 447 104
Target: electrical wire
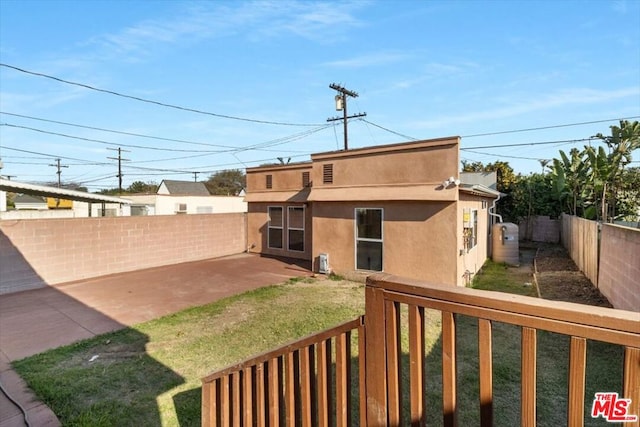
pixel 389 130
pixel 162 104
pixel 257 147
pixel 549 127
pixel 529 144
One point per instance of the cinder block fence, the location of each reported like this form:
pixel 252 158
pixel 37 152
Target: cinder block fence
pixel 36 253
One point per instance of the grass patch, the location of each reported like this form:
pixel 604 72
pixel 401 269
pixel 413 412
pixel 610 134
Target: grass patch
pixel 504 278
pixel 150 374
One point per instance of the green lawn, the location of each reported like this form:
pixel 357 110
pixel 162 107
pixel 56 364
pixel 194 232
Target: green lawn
pixel 150 374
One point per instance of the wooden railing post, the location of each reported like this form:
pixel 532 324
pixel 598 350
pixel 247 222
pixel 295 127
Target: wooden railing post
pixel 375 363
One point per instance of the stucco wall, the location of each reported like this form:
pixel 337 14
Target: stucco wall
pixel 472 260
pixel 257 224
pixel 35 253
pixel 419 162
pixel 619 275
pixel 419 239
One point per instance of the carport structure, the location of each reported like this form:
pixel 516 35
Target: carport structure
pixel 60 193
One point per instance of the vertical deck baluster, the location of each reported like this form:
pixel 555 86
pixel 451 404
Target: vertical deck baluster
pixel 209 404
pixel 261 416
pixel 449 409
pixel 324 384
pixel 416 364
pixel 528 380
pixel 291 387
pixel 485 365
pixel 236 403
pixel 305 387
pixel 247 396
pixel 577 370
pixel 273 392
pixel 343 379
pixel 362 383
pixel 225 395
pixel 631 382
pixel 394 392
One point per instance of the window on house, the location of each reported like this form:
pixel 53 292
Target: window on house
pixel 269 183
pixel 275 227
pixel 306 179
pixel 327 173
pixel 369 239
pixel 295 228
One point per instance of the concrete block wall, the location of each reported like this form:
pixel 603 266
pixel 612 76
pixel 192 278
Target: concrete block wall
pixel 55 251
pixel 619 275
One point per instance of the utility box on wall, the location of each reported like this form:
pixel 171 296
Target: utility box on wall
pixel 323 263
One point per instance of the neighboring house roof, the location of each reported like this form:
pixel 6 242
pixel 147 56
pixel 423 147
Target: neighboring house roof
pixel 46 191
pixel 183 188
pixel 480 190
pixel 487 179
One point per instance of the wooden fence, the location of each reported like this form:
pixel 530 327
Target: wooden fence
pixel 295 384
pixel 580 239
pixel 252 392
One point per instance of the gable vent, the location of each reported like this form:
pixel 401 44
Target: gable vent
pixel 306 179
pixel 269 181
pixel 327 173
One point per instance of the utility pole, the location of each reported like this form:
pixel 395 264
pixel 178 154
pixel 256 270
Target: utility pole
pixel 195 176
pixel 120 160
pixel 59 172
pixel 341 105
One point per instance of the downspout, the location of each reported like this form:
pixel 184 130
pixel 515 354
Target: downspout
pixel 493 206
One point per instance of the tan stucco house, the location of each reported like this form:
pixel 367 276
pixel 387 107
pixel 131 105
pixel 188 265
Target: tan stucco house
pixel 397 208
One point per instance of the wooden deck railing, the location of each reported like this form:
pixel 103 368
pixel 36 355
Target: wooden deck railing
pixel 308 382
pixel 385 296
pixel 297 384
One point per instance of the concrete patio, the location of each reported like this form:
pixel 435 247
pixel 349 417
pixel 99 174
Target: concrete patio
pixel 38 320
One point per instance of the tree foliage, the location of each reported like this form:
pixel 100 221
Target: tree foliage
pixel 138 187
pixel 594 183
pixel 227 182
pixel 591 182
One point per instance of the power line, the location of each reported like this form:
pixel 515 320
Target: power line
pixel 162 104
pixel 527 144
pixel 389 130
pixel 257 147
pixel 116 131
pixel 549 127
pixel 159 138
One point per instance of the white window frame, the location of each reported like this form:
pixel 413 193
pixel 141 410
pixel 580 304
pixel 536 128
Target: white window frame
pixel 365 239
pixel 269 227
pixel 289 228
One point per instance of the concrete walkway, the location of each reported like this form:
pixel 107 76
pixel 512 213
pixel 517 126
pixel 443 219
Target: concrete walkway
pixel 35 321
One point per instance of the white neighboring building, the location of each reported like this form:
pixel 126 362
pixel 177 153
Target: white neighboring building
pixel 184 197
pixel 161 204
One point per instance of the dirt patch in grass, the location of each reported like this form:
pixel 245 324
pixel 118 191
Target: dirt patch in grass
pixel 559 279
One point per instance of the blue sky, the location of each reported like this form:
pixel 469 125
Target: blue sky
pixel 423 69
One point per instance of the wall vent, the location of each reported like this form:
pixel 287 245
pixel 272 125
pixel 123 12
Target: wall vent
pixel 306 179
pixel 269 181
pixel 181 207
pixel 327 173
